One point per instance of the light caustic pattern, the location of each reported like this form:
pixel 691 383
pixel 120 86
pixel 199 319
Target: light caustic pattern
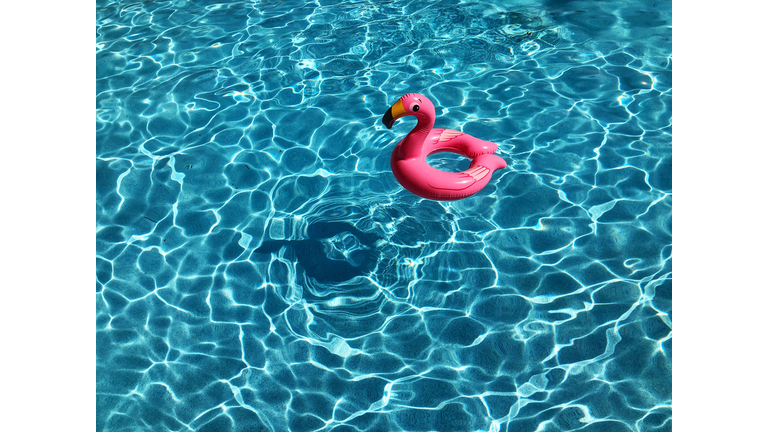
pixel 260 269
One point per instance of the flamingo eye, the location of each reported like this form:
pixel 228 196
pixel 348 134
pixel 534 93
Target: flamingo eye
pixel 415 107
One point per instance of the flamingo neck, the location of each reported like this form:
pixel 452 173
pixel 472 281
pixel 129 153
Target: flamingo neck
pixel 411 146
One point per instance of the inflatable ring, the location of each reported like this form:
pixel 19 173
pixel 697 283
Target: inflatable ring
pixel 409 158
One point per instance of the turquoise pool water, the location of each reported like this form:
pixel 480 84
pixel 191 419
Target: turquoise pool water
pixel 259 268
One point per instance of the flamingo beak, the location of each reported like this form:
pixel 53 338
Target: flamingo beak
pixel 393 113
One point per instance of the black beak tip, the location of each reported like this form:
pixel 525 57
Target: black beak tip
pixel 387 119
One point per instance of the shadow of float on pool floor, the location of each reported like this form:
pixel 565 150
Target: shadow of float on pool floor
pixel 333 252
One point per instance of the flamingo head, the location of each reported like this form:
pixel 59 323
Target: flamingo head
pixel 412 104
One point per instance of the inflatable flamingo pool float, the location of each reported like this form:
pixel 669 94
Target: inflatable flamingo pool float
pixel 409 159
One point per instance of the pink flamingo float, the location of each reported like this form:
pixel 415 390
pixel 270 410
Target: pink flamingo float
pixel 409 159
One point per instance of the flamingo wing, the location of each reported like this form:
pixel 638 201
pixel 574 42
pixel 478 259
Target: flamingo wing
pixel 448 134
pixel 477 172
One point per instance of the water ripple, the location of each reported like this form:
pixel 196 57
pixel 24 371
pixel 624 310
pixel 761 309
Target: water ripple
pixel 259 268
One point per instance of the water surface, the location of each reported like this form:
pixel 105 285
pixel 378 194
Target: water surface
pixel 259 268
